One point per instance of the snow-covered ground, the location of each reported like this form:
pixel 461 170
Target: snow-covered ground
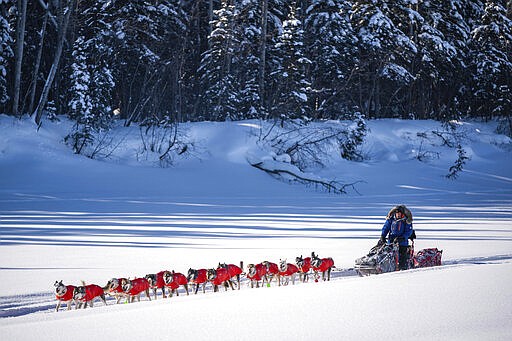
pixel 67 217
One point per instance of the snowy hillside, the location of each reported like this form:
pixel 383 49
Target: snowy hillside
pixel 67 217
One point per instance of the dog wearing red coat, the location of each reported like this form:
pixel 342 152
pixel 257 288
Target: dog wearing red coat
pixel 114 288
pixel 64 293
pixel 173 280
pixel 272 271
pixel 217 277
pixel 85 294
pixel 135 287
pixel 156 281
pixel 197 277
pixel 323 265
pixel 233 271
pixel 256 273
pixel 304 265
pixel 287 271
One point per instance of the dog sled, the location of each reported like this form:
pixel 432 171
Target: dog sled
pixel 384 258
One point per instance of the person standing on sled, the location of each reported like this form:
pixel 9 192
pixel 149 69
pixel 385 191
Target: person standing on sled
pixel 399 227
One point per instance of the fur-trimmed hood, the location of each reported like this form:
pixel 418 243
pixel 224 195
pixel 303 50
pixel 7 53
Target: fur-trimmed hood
pixel 404 210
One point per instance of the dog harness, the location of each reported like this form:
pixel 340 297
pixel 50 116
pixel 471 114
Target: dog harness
pixel 201 277
pixel 324 265
pixel 272 268
pixel 233 270
pixel 119 288
pixel 221 277
pixel 138 285
pixel 261 271
pixel 68 295
pixel 92 291
pixel 306 265
pixel 290 270
pixel 177 280
pixel 159 280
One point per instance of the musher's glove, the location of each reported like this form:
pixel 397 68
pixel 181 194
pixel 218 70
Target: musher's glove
pixel 413 235
pixel 381 241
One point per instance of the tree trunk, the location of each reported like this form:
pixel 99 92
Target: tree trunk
pixel 52 18
pixel 20 37
pixel 38 63
pixel 63 25
pixel 263 47
pixel 210 19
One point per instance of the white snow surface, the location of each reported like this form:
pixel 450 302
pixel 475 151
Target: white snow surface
pixel 66 217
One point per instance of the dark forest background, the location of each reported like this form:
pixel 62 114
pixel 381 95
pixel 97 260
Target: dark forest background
pixel 177 61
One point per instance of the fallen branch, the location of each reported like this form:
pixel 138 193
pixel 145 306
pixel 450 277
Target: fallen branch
pixel 330 186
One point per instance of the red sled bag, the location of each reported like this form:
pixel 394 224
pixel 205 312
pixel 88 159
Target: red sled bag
pixel 427 258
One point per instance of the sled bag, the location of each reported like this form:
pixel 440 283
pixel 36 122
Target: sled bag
pixel 428 257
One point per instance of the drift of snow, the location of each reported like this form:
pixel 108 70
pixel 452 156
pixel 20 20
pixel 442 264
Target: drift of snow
pixel 68 217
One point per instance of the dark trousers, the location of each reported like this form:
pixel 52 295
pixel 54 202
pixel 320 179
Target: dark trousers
pixel 403 257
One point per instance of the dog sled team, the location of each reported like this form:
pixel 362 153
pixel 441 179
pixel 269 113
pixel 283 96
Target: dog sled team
pixel 391 253
pixel 168 282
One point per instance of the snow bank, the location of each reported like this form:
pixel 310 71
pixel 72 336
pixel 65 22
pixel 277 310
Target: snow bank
pixel 67 217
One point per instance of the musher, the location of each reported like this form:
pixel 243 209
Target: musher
pixel 398 226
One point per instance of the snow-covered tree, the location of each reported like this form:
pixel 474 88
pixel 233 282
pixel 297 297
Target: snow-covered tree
pixel 5 54
pixel 292 84
pixel 443 42
pixel 350 147
pixel 146 39
pixel 221 96
pixel 97 49
pixel 491 63
pixel 331 47
pixel 81 104
pixel 272 25
pixel 65 11
pixel 385 54
pixel 246 61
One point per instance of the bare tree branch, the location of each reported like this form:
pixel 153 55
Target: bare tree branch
pixel 330 186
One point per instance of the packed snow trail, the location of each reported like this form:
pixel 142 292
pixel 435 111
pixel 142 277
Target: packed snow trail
pixel 45 302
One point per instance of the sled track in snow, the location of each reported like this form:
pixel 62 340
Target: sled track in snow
pixel 44 302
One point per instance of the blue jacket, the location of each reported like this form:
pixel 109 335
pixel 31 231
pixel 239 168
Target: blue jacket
pixel 397 229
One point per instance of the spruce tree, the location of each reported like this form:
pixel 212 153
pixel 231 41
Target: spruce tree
pixel 246 61
pixel 491 63
pixel 98 51
pixel 293 87
pixel 221 96
pixel 331 47
pixel 81 104
pixel 6 54
pixel 444 40
pixel 384 55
